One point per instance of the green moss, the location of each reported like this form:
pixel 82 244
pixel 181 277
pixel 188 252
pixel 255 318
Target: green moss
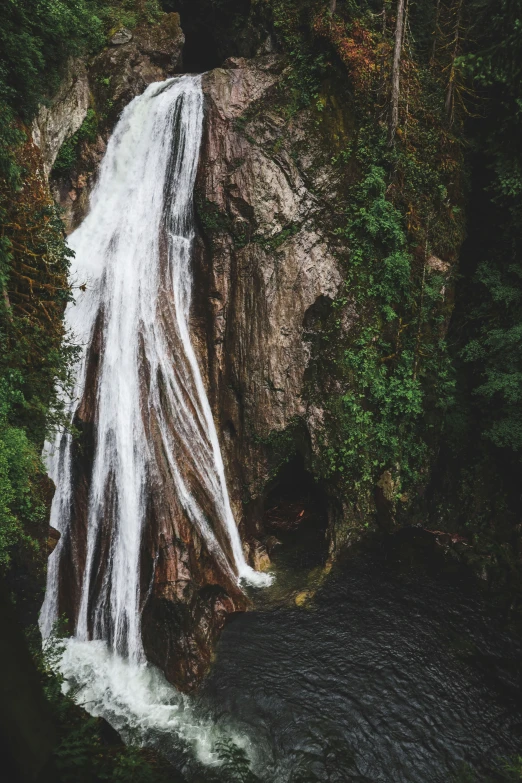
pixel 395 207
pixel 215 222
pixel 22 507
pixel 273 243
pixel 130 14
pixel 211 217
pixel 70 149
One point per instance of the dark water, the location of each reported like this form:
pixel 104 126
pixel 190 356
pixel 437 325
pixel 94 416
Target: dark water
pixel 400 669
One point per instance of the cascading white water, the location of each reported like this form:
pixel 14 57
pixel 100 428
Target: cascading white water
pixel 133 251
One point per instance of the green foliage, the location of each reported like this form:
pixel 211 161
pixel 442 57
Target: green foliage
pixel 68 154
pixel 494 347
pixel 21 506
pixel 33 348
pixel 33 354
pixel 510 771
pixel 215 222
pixel 479 487
pixel 291 22
pixel 513 767
pixel 464 775
pixel 10 138
pixel 274 243
pixel 399 208
pixel 395 366
pixel 235 765
pixel 128 13
pixel 36 38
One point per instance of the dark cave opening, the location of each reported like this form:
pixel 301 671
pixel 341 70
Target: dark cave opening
pixel 296 515
pixel 212 33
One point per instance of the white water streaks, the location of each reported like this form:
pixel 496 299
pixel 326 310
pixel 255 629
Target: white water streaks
pixel 141 705
pixel 133 251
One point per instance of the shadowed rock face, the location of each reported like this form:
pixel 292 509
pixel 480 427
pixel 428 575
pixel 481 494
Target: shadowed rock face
pixel 58 121
pixel 263 262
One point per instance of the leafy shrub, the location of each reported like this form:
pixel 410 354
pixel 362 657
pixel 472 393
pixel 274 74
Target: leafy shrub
pixel 21 505
pixel 68 154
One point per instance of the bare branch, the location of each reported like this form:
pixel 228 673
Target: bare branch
pixel 396 71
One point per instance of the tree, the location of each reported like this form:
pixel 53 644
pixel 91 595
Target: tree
pixel 396 70
pixel 455 44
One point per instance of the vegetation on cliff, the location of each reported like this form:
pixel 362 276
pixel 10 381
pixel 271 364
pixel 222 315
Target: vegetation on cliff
pixel 35 41
pixel 478 480
pixel 423 420
pixel 402 223
pixel 36 38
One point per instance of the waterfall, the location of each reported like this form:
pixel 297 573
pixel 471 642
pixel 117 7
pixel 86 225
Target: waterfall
pixel 133 253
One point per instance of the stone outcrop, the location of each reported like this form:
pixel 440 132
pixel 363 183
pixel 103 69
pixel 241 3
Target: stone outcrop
pixel 106 84
pixel 64 115
pixel 152 53
pixel 266 261
pixel 264 264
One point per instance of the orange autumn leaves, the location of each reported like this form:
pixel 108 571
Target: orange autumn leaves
pixel 357 47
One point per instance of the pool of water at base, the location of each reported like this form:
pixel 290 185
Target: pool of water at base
pixel 398 669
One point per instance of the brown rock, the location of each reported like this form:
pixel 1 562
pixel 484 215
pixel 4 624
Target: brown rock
pixel 123 36
pixel 64 114
pixel 438 265
pixel 261 560
pixel 265 264
pixel 264 261
pixel 52 539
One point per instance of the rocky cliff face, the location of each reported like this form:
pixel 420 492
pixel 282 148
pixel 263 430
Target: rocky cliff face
pixel 64 115
pixel 266 273
pixel 185 595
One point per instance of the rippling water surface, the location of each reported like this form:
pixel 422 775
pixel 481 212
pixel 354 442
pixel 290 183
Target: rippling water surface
pixel 394 667
pixel 398 669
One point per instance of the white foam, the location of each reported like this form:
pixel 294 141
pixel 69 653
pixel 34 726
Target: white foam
pixel 138 702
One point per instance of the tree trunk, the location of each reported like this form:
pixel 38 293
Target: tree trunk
pixel 333 6
pixel 450 94
pixel 7 304
pixel 435 31
pixel 396 70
